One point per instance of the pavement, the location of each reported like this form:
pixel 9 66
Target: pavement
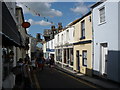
pixel 96 81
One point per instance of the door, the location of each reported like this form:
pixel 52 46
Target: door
pixel 104 55
pixel 78 60
pixel 64 55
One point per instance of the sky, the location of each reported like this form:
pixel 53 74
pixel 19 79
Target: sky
pixel 42 15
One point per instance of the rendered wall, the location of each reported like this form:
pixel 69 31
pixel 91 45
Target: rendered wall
pixel 106 33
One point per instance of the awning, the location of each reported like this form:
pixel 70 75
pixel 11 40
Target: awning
pixel 9 28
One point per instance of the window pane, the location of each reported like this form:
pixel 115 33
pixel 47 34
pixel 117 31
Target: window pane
pixel 85 62
pixel 83 32
pixel 82 28
pixel 102 14
pixel 84 58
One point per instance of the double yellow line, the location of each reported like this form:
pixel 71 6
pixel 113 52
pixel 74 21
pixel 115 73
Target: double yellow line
pixel 36 82
pixel 80 80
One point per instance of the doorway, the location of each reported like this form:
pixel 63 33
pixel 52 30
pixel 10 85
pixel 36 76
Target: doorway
pixel 78 60
pixel 103 58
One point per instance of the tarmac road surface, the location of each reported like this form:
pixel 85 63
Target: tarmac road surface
pixel 53 78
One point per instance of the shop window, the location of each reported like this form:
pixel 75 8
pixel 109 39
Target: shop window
pixel 7 61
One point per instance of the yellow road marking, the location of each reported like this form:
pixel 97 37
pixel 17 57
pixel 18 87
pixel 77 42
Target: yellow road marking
pixel 36 82
pixel 79 80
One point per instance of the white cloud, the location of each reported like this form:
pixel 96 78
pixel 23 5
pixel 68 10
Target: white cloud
pixel 27 29
pixel 34 0
pixel 80 8
pixel 42 22
pixel 43 8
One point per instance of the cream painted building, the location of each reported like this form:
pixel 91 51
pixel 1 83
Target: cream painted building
pixel 20 51
pixel 83 44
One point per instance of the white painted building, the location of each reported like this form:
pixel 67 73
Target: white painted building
pixel 32 46
pixel 44 49
pixel 0 45
pixel 48 48
pixel 106 20
pixel 64 47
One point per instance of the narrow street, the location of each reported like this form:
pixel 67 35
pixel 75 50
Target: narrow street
pixel 80 39
pixel 53 78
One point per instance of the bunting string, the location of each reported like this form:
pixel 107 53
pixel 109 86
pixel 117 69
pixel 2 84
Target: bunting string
pixel 38 14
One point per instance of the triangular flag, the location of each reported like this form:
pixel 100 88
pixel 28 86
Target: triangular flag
pixel 51 22
pixel 38 14
pixel 51 16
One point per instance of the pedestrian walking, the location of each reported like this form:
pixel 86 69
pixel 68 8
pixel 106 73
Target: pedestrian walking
pixel 19 76
pixel 51 61
pixel 27 77
pixel 47 61
pixel 40 63
pixel 33 63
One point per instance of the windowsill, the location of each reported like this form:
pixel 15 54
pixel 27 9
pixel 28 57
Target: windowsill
pixel 85 65
pixel 101 23
pixel 82 38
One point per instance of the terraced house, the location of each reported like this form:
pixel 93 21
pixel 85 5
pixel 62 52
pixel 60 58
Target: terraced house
pixel 106 19
pixel 64 47
pixel 83 44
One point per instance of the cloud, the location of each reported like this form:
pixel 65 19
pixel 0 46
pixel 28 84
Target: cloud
pixel 80 8
pixel 27 29
pixel 42 22
pixel 43 8
pixel 33 0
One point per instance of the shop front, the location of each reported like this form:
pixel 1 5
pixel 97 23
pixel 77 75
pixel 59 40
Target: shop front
pixel 10 40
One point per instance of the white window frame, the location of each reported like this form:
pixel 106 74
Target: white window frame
pixel 62 38
pixel 84 58
pixel 67 35
pixel 102 17
pixel 58 38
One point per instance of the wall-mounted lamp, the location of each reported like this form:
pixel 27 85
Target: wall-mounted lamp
pixel 80 55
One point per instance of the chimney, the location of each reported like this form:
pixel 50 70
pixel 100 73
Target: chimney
pixel 60 27
pixel 53 28
pixel 38 36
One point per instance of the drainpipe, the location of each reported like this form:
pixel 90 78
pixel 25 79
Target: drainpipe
pixel 92 45
pixel 0 45
pixel 62 57
pixel 1 61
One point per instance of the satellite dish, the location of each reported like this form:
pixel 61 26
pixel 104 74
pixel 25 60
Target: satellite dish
pixel 25 24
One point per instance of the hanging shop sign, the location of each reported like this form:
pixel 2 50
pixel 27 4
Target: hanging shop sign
pixel 25 24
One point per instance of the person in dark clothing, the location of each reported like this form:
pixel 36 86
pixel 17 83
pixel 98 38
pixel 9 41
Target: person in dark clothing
pixel 40 62
pixel 51 61
pixel 18 71
pixel 26 73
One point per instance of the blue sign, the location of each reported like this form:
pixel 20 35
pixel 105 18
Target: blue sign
pixel 50 50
